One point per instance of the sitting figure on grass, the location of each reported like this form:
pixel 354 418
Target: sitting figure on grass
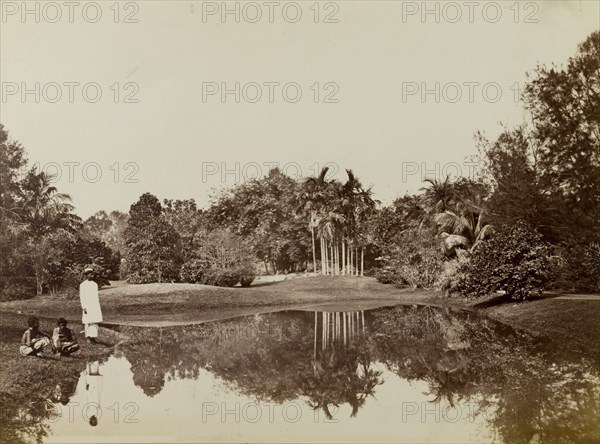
pixel 63 340
pixel 34 340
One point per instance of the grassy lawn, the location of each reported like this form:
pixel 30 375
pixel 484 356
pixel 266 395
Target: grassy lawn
pixel 574 324
pixel 169 304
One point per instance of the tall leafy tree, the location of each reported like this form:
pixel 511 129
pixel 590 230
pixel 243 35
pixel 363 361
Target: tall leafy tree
pixel 12 162
pixel 187 220
pixel 564 104
pixel 264 211
pixel 152 244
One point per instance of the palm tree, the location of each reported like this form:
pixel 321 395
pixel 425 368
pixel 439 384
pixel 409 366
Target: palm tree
pixel 463 224
pixel 356 205
pixel 42 208
pixel 438 196
pixel 462 230
pixel 312 200
pixel 43 211
pixel 329 226
pixel 365 207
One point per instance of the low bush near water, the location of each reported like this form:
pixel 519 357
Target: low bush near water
pixel 222 277
pixel 416 261
pixel 516 261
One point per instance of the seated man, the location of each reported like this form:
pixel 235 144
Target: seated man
pixel 34 340
pixel 63 340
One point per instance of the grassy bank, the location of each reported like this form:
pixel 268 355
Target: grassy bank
pixel 572 324
pixel 171 304
pixel 17 371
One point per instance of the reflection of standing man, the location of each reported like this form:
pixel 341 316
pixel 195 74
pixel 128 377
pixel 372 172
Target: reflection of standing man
pixel 90 304
pixel 93 388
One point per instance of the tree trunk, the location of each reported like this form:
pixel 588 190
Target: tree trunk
pixel 326 259
pixel 322 257
pixel 38 284
pixel 350 260
pixel 337 257
pixel 332 254
pixel 362 260
pixel 343 258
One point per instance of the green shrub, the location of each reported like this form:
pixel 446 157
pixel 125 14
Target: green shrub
pixel 142 276
pixel 386 274
pixel 451 275
pixel 591 265
pixel 416 260
pixel 222 277
pixel 14 291
pixel 421 270
pixel 246 280
pixel 194 270
pixel 515 261
pixel 247 274
pixel 577 267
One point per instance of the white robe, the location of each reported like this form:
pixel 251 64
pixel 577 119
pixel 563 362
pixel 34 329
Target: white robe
pixel 90 303
pixel 93 389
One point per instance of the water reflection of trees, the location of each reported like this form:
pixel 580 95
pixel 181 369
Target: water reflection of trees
pixel 526 391
pixel 271 358
pixel 523 390
pixel 341 363
pixel 27 414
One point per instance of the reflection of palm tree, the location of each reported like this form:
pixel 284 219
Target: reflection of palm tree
pixel 341 370
pixel 339 376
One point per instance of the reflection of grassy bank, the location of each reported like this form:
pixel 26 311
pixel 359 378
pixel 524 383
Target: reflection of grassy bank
pixel 27 383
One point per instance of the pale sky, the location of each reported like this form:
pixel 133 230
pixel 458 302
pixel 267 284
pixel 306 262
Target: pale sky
pixel 176 143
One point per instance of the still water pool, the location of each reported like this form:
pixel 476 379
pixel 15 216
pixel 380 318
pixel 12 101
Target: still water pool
pixel 402 374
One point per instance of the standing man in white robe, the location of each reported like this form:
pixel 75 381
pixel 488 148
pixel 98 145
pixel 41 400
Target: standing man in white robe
pixel 90 304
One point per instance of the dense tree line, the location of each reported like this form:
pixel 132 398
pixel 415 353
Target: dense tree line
pixel 537 200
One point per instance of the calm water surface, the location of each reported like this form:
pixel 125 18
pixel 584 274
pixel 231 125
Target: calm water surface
pixel 402 374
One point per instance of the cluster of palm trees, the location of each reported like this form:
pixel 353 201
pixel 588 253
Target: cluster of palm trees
pixel 456 210
pixel 337 214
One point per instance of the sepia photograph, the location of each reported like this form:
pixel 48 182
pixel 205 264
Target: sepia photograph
pixel 310 221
